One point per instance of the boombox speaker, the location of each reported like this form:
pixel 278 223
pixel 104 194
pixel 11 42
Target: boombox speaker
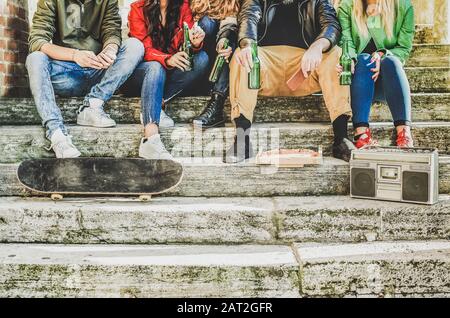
pixel 393 174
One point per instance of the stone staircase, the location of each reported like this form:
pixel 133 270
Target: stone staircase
pixel 228 230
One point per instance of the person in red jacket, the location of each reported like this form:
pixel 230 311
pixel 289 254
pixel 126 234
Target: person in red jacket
pixel 166 71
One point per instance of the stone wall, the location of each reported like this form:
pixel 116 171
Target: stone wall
pixel 13 47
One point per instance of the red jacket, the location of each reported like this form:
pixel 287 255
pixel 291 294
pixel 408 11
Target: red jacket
pixel 139 29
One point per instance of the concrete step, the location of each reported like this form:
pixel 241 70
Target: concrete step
pixel 428 55
pixel 424 34
pixel 413 269
pixel 207 177
pixel 368 270
pixel 18 143
pixel 273 220
pixel 426 107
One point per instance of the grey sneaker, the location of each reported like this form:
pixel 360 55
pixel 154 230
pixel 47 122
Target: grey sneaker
pixel 153 148
pixel 165 121
pixel 62 145
pixel 95 117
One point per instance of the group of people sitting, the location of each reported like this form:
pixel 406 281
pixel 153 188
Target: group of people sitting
pixel 76 50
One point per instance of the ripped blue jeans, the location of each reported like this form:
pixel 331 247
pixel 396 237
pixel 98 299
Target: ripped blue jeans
pixel 156 85
pixel 67 79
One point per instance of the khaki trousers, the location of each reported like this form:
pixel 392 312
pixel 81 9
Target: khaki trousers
pixel 278 64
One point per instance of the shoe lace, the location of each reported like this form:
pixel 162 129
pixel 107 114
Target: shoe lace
pixel 103 114
pixel 403 137
pixel 209 109
pixel 61 145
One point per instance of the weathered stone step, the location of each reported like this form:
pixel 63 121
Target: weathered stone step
pixel 429 79
pixel 410 269
pixel 209 178
pixel 371 269
pixel 426 107
pixel 429 55
pixel 18 143
pixel 219 220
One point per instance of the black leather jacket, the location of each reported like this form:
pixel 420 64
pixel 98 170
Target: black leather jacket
pixel 317 19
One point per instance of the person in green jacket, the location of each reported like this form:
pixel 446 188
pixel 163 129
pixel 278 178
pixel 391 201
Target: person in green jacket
pixel 380 35
pixel 76 50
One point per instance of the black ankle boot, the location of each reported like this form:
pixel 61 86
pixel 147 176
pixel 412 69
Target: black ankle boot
pixel 343 149
pixel 212 115
pixel 241 149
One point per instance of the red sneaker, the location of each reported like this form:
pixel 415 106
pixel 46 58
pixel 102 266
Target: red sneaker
pixel 364 140
pixel 404 139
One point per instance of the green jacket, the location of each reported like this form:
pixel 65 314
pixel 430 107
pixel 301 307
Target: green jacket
pixel 79 24
pixel 399 45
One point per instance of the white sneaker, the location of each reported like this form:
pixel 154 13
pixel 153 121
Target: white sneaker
pixel 62 145
pixel 153 148
pixel 95 117
pixel 165 121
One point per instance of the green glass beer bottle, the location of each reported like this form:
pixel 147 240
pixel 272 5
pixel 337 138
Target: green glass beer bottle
pixel 187 46
pixel 218 65
pixel 254 77
pixel 346 63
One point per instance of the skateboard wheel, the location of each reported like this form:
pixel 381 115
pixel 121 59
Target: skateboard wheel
pixel 145 198
pixel 56 197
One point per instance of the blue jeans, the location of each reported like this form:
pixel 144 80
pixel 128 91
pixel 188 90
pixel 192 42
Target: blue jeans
pixel 49 77
pixel 392 87
pixel 156 85
pixel 211 28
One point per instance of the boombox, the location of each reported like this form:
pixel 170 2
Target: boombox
pixel 393 174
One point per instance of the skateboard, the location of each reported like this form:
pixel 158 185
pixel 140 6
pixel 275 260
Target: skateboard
pixel 100 176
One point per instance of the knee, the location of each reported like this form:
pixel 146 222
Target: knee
pixel 153 70
pixel 133 48
pixel 391 63
pixel 363 61
pixel 364 65
pixel 208 25
pixel 37 61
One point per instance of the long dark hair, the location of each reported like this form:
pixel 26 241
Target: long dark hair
pixel 162 36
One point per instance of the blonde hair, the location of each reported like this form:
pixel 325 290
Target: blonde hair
pixel 388 16
pixel 215 9
pixel 336 3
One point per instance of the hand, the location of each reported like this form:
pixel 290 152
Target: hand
pixel 339 68
pixel 244 58
pixel 226 53
pixel 87 59
pixel 376 57
pixel 311 59
pixel 108 55
pixel 179 60
pixel 197 35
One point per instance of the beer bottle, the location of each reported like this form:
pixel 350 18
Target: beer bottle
pixel 218 65
pixel 254 77
pixel 187 46
pixel 346 63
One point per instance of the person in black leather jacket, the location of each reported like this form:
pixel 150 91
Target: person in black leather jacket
pixel 293 37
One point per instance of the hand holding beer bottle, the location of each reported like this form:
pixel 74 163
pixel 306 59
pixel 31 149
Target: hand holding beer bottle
pixel 254 77
pixel 188 49
pixel 346 65
pixel 248 58
pixel 219 63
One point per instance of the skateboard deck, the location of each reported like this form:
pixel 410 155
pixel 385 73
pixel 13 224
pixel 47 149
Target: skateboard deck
pixel 100 176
